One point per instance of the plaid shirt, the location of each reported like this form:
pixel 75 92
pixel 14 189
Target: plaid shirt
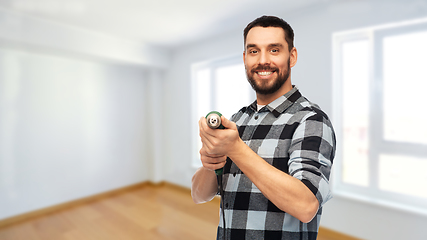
pixel 295 136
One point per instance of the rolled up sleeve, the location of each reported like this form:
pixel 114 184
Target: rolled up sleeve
pixel 311 154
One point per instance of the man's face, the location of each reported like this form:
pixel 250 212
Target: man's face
pixel 267 59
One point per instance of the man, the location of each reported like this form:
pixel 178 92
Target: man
pixel 276 153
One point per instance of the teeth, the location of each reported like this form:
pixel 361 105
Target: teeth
pixel 264 73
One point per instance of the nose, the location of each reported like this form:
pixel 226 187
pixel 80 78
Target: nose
pixel 264 58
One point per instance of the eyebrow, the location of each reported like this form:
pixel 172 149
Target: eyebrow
pixel 270 45
pixel 250 46
pixel 275 45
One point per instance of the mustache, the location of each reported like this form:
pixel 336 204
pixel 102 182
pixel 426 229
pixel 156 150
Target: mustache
pixel 264 68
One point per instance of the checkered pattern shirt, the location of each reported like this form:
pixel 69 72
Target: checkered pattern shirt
pixel 295 136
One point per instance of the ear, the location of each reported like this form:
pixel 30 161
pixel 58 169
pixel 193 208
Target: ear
pixel 244 57
pixel 293 57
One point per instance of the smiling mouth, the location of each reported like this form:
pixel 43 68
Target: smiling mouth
pixel 265 73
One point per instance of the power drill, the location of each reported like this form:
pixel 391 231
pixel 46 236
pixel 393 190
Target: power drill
pixel 213 119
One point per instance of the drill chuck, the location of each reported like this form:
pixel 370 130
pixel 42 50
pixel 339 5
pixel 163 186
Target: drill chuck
pixel 213 119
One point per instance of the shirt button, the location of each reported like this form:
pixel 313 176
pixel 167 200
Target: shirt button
pixel 256 117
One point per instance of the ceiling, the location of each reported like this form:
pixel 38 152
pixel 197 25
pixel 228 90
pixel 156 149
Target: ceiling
pixel 166 23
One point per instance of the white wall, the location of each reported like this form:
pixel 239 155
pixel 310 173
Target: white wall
pixel 313 74
pixel 76 113
pixel 70 128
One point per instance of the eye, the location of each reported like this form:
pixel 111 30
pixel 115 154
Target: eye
pixel 253 51
pixel 274 50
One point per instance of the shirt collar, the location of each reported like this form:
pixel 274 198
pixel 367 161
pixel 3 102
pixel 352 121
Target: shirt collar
pixel 282 103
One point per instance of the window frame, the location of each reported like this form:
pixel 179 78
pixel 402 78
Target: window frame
pixel 377 144
pixel 212 65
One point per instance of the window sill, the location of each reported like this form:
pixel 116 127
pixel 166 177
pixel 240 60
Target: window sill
pixel 376 202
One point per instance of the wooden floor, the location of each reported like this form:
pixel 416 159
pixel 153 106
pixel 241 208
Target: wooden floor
pixel 152 212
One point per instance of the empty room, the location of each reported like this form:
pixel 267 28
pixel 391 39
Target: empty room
pixel 105 131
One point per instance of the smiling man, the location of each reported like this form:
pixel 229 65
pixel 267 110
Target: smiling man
pixel 276 153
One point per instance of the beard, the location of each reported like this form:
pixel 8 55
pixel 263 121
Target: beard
pixel 263 87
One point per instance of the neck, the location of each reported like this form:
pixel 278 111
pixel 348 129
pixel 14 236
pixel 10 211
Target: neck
pixel 264 99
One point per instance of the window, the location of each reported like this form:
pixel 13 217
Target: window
pixel 380 79
pixel 218 85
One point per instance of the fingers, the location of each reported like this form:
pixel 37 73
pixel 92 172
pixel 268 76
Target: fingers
pixel 218 141
pixel 209 160
pixel 203 152
pixel 207 136
pixel 213 167
pixel 212 162
pixel 227 123
pixel 203 136
pixel 203 127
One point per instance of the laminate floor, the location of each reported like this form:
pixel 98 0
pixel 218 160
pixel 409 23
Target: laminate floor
pixel 152 212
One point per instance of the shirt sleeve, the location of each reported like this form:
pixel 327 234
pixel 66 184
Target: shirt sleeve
pixel 311 154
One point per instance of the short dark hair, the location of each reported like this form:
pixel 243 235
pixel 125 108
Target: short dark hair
pixel 272 21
